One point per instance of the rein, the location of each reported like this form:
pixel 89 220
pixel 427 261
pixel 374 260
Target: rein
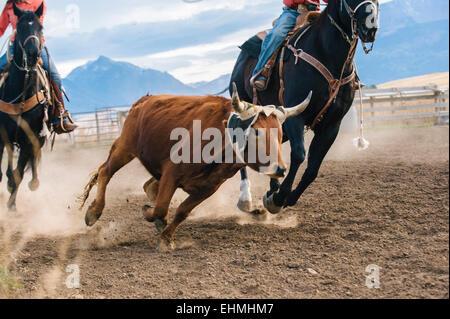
pixel 334 84
pixel 26 104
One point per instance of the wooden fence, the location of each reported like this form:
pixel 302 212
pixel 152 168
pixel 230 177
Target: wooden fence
pixel 405 106
pixel 382 108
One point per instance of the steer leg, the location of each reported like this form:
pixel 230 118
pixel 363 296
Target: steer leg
pixel 183 211
pixel 151 188
pixel 159 214
pixel 119 156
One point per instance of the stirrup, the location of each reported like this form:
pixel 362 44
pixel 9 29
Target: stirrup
pixel 252 83
pixel 61 128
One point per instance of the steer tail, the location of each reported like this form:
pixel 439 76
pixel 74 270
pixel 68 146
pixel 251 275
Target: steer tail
pixel 87 190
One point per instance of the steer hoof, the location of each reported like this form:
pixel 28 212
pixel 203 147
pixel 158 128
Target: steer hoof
pixel 147 212
pixel 91 217
pixel 270 205
pixel 33 185
pixel 165 246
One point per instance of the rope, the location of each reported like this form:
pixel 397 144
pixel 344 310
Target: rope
pixel 360 142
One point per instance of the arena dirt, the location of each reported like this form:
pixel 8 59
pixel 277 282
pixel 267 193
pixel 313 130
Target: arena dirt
pixel 387 206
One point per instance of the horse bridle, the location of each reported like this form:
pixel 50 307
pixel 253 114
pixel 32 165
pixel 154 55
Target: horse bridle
pixel 24 67
pixel 354 22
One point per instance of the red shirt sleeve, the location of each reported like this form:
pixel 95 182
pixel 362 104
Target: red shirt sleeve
pixel 4 20
pixel 290 3
pixel 44 13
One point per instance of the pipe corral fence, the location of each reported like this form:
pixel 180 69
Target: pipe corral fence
pixel 407 106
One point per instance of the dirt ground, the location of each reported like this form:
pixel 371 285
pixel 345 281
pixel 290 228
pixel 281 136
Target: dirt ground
pixel 387 206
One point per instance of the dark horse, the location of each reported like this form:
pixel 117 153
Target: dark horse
pixel 329 40
pixel 24 130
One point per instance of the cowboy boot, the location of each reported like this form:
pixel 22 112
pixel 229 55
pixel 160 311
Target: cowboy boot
pixel 259 82
pixel 64 123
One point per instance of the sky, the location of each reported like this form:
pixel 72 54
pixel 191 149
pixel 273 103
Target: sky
pixel 194 40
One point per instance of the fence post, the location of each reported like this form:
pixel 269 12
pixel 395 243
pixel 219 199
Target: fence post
pixel 98 127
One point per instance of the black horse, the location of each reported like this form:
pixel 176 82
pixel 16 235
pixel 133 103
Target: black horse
pixel 329 40
pixel 25 129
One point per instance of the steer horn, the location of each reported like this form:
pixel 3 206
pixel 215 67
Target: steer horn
pixel 299 109
pixel 235 101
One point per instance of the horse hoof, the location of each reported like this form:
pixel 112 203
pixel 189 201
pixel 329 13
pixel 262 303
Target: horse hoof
pixel 165 246
pixel 245 206
pixel 12 208
pixel 91 217
pixel 270 205
pixel 33 185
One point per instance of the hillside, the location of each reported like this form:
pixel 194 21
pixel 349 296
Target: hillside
pixel 439 79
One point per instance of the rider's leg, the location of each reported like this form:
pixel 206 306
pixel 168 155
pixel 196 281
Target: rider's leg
pixel 3 62
pixel 272 41
pixel 50 67
pixel 4 58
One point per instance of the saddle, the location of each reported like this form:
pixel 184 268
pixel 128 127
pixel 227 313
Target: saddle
pixel 303 21
pixel 51 96
pixel 334 84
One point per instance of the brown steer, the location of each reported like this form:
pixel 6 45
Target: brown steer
pixel 147 135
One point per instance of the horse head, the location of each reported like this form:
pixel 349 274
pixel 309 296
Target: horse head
pixel 28 43
pixel 359 18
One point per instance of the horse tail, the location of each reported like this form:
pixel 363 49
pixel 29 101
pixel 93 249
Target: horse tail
pixel 87 190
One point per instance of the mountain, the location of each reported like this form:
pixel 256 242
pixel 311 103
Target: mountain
pixel 214 87
pixel 413 40
pixel 105 82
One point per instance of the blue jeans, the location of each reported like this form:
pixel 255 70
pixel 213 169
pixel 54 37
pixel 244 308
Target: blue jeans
pixel 54 71
pixel 276 36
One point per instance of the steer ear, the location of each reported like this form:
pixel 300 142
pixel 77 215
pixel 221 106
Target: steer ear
pixel 18 12
pixel 40 11
pixel 235 100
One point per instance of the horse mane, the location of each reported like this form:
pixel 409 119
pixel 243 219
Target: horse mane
pixel 324 14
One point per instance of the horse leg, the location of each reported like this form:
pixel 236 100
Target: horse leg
pixel 294 130
pixel 33 185
pixel 16 176
pixel 159 214
pixel 183 211
pixel 119 156
pixel 245 199
pixel 319 148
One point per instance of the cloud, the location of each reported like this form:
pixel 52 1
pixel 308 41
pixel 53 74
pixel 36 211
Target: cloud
pixel 193 41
